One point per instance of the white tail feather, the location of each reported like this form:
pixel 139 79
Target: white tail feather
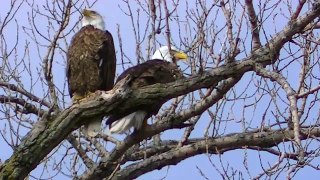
pixel 132 120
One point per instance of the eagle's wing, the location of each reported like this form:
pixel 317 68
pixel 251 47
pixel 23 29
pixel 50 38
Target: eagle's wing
pixel 147 73
pixel 108 65
pixel 151 72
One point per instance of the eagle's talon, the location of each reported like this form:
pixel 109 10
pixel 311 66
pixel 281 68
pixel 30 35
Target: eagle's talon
pixel 77 98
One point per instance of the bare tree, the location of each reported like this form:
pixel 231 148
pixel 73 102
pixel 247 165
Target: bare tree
pixel 251 88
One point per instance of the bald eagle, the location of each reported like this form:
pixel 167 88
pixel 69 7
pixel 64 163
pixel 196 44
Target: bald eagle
pixel 160 69
pixel 91 62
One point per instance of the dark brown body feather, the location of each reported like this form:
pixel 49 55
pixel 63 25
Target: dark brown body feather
pixel 148 73
pixel 91 62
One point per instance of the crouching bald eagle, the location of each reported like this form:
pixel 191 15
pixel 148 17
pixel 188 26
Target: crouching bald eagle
pixel 91 62
pixel 160 69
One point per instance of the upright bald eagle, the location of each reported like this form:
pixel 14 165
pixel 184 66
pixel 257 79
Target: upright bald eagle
pixel 160 69
pixel 91 62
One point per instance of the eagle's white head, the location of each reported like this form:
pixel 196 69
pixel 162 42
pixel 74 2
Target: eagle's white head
pixel 163 53
pixel 92 18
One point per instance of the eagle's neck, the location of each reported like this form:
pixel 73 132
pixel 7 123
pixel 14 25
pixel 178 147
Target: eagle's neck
pixel 97 23
pixel 162 54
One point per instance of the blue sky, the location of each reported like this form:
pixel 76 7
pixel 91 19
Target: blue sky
pixel 114 17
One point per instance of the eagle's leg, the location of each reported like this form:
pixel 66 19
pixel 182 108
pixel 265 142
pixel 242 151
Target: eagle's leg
pixel 89 94
pixel 76 98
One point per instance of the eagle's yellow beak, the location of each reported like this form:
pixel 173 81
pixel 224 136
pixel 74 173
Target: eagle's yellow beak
pixel 86 13
pixel 180 55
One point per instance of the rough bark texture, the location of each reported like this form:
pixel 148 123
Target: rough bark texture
pixel 173 155
pixel 55 127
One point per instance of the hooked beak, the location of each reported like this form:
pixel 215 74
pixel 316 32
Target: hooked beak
pixel 180 55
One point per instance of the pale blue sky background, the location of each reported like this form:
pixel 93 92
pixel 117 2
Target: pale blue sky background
pixel 186 169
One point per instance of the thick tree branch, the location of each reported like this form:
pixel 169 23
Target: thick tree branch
pixel 212 146
pixel 107 165
pixel 50 131
pixel 255 29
